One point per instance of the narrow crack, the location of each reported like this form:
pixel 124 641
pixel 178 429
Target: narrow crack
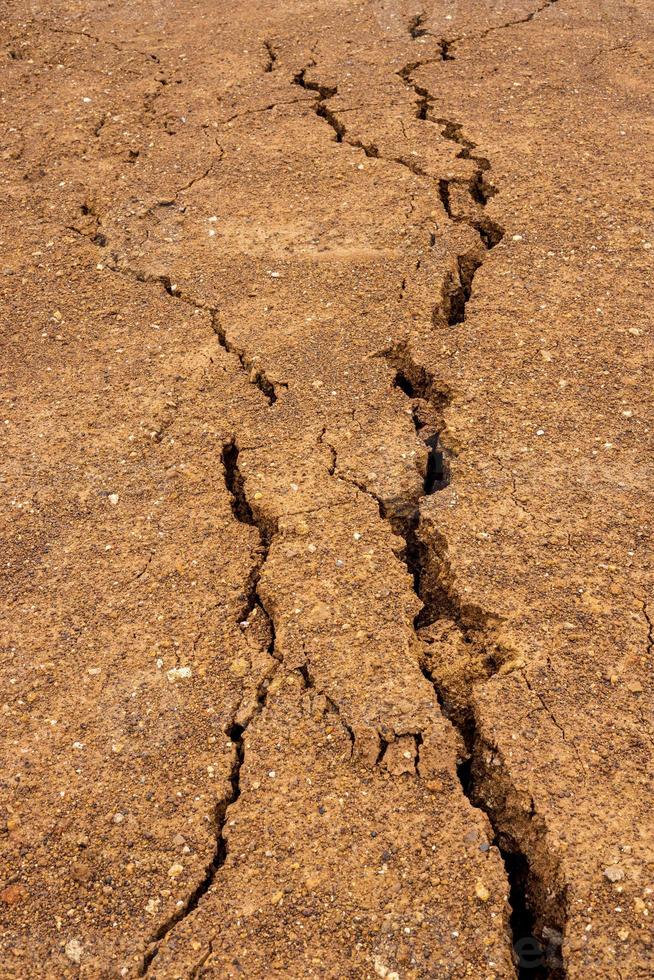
pixel 309 685
pixel 168 201
pixel 122 48
pixel 260 109
pixel 463 200
pixel 91 229
pixel 416 30
pixel 254 371
pixel 650 628
pixel 514 23
pixel 323 92
pixel 271 57
pixel 460 651
pixel 252 605
pixel 236 729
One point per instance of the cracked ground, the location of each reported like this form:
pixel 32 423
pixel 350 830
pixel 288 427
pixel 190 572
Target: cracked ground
pixel 327 630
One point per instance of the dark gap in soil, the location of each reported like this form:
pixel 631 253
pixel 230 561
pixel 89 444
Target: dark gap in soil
pixel 382 751
pixel 217 861
pixel 533 960
pixel 370 149
pixel 323 92
pixel 445 47
pixel 435 476
pixel 530 953
pixel 403 383
pixel 429 403
pixel 416 29
pixel 490 232
pixel 234 483
pixel 255 375
pixel 455 301
pixel 272 57
pixel 424 101
pixel 444 194
pixel 234 731
pixel 437 603
pixel 329 117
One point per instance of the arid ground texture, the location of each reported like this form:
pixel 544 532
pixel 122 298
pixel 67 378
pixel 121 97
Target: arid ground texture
pixel 327 467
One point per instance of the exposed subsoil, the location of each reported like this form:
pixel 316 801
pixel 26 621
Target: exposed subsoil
pixel 327 456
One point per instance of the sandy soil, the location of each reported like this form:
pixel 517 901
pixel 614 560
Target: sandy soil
pixel 326 470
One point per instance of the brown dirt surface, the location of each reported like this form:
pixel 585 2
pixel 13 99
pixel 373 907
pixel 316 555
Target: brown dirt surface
pixel 327 472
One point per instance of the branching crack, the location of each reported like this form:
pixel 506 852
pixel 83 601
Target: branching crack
pixel 447 45
pixel 236 729
pixel 463 200
pixel 461 645
pixel 255 372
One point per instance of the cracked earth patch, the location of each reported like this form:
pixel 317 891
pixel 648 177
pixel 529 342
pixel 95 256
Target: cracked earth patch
pixel 327 468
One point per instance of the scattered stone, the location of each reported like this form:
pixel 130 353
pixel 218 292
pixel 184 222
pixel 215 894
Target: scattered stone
pixel 614 872
pixel 73 950
pixel 12 894
pixel 482 892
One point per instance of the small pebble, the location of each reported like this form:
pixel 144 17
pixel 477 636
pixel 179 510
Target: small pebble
pixel 482 892
pixel 73 950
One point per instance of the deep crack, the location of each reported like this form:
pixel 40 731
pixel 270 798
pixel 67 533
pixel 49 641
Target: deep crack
pixel 236 729
pixel 463 201
pixel 537 922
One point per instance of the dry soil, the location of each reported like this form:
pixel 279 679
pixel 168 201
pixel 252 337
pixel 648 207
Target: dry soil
pixel 327 489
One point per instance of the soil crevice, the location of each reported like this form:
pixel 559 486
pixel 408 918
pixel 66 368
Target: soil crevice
pixel 236 729
pixel 537 921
